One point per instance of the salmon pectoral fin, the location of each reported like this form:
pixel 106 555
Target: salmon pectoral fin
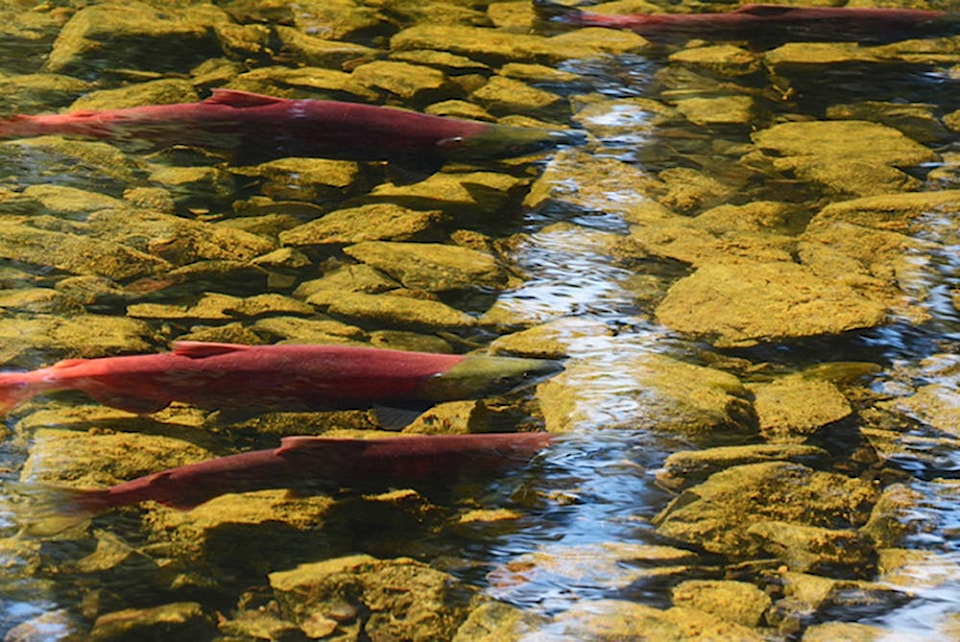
pixel 131 403
pixel 412 169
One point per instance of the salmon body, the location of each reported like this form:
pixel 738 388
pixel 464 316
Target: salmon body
pixel 306 463
pixel 324 462
pixel 768 21
pixel 275 377
pixel 255 128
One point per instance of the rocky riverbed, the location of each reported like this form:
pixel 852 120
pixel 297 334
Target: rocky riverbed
pixel 749 269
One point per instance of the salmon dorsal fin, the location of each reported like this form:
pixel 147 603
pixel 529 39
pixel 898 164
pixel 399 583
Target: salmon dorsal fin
pixel 234 98
pixel 68 363
pixel 201 349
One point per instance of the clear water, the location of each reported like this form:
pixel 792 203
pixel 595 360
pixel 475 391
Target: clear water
pixel 601 482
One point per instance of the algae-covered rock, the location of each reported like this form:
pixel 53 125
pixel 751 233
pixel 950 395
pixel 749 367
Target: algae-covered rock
pixel 614 620
pixel 916 120
pixel 22 340
pixel 301 330
pixel 574 178
pixel 745 304
pixel 176 239
pixel 348 278
pixel 726 60
pixel 469 194
pixel 75 253
pixel 502 95
pixel 821 150
pixel 404 81
pixel 431 266
pixel 841 139
pixel 406 340
pixel 892 212
pixel 609 564
pixel 243 534
pixel 85 459
pixel 498 622
pixel 497 46
pixel 167 91
pixel 845 631
pixel 897 515
pixel 697 242
pixel 80 163
pixel 390 309
pixel 312 51
pixel 98 35
pixel 28 93
pixel 179 620
pixel 689 190
pixel 58 624
pixel 718 513
pixel 687 467
pixel 738 602
pixel 377 221
pixel 648 391
pixel 793 407
pixel 39 301
pixel 912 568
pixel 812 549
pixel 552 340
pixel 397 599
pixel 317 180
pixel 723 110
pixel 60 200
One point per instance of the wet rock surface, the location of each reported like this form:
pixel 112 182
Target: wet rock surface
pixel 746 266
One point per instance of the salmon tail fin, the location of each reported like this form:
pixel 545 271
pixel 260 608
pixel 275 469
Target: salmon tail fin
pixel 50 510
pixel 14 389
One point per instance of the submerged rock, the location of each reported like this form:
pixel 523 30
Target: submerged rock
pixel 738 602
pixel 648 391
pixel 718 513
pixel 431 266
pixel 98 35
pixel 396 599
pixel 23 340
pixel 822 150
pixel 687 467
pixel 743 305
pixel 179 620
pixel 377 221
pixel 391 310
pixel 812 549
pixel 794 407
pixel 609 619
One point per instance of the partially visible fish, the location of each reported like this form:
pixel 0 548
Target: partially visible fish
pixel 769 22
pixel 275 377
pixel 253 128
pixel 314 463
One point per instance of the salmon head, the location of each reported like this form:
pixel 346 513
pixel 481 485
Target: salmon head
pixel 506 141
pixel 480 376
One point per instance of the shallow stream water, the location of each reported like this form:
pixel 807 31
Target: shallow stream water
pixel 583 511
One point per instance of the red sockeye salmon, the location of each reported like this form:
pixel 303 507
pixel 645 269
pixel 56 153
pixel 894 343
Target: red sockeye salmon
pixel 317 463
pixel 275 377
pixel 766 22
pixel 252 128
